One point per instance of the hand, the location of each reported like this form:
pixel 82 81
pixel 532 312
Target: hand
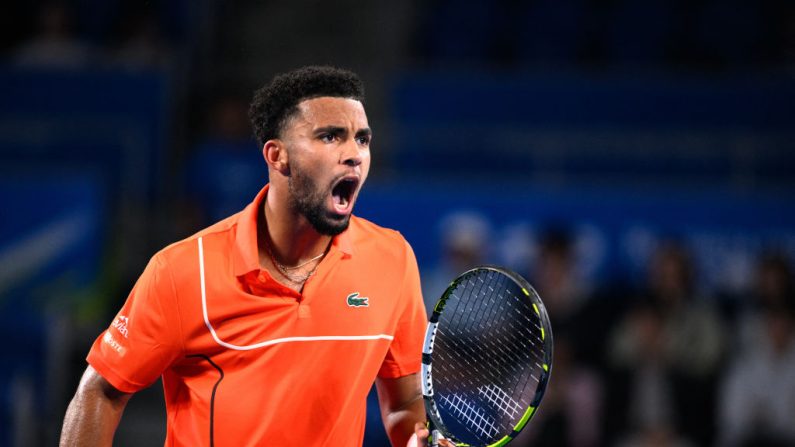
pixel 420 437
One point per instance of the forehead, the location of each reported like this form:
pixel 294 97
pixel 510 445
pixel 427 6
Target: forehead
pixel 325 110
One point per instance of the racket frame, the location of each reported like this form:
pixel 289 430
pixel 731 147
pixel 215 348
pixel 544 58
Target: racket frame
pixel 435 423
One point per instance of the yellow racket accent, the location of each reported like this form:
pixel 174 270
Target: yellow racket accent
pixel 505 439
pixel 527 415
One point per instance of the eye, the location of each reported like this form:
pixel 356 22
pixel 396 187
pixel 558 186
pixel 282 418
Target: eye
pixel 364 140
pixel 327 137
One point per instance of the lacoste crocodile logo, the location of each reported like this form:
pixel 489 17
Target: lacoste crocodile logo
pixel 354 300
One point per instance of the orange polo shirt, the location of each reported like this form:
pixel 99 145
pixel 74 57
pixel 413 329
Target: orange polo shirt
pixel 247 361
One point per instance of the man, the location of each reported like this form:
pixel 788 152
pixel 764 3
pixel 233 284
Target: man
pixel 269 327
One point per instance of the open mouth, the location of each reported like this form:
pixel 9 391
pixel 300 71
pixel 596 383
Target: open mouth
pixel 342 194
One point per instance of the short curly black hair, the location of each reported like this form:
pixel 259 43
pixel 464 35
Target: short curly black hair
pixel 275 103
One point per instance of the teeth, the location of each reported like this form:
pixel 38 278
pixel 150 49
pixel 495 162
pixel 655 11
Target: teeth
pixel 343 193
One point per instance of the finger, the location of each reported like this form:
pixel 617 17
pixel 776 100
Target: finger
pixel 444 442
pixel 421 430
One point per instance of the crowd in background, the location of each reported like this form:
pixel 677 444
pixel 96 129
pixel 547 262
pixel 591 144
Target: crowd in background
pixel 663 360
pixel 50 35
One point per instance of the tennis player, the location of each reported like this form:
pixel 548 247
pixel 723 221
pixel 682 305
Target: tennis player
pixel 270 327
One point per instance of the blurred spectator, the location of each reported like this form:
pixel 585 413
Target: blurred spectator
pixel 55 45
pixel 774 281
pixel 572 405
pixel 758 396
pixel 228 122
pixel 666 354
pixel 556 277
pixel 142 44
pixel 773 288
pixel 566 293
pixel 466 238
pixel 655 437
pixel 694 333
pixel 642 379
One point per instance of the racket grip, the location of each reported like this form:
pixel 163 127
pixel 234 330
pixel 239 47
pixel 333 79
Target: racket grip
pixel 435 437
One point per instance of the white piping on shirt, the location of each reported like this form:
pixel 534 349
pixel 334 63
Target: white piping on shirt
pixel 274 341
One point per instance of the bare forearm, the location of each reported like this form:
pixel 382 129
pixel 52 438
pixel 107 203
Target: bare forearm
pixel 400 423
pixel 401 407
pixel 94 413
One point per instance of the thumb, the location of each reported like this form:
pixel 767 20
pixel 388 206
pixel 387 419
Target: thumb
pixel 420 436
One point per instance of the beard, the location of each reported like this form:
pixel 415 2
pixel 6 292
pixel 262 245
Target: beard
pixel 309 199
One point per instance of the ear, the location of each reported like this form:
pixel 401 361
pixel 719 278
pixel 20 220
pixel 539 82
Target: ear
pixel 275 154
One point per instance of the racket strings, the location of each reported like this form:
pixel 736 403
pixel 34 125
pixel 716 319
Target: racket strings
pixel 488 337
pixel 502 331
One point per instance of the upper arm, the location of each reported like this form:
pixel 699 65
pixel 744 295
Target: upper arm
pixel 94 413
pixel 398 382
pixel 95 387
pixel 398 394
pixel 405 352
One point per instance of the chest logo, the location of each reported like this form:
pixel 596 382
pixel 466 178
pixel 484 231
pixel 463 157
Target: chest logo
pixel 354 300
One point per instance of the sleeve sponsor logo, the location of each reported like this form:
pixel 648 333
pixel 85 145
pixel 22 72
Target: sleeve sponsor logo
pixel 113 344
pixel 120 323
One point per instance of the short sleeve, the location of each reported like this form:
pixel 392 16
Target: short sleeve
pixel 143 339
pixel 405 352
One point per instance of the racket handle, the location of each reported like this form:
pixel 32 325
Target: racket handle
pixel 435 437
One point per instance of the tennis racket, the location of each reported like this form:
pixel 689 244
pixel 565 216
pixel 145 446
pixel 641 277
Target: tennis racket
pixel 487 358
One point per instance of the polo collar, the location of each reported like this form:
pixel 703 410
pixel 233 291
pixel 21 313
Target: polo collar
pixel 246 256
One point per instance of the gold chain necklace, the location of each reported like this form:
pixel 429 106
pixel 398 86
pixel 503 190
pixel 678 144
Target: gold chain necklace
pixel 284 270
pixel 284 267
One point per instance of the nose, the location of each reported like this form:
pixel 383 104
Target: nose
pixel 351 154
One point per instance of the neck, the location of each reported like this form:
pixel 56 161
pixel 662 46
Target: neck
pixel 290 237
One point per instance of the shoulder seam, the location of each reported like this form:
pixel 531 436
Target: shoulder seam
pixel 197 235
pixel 161 259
